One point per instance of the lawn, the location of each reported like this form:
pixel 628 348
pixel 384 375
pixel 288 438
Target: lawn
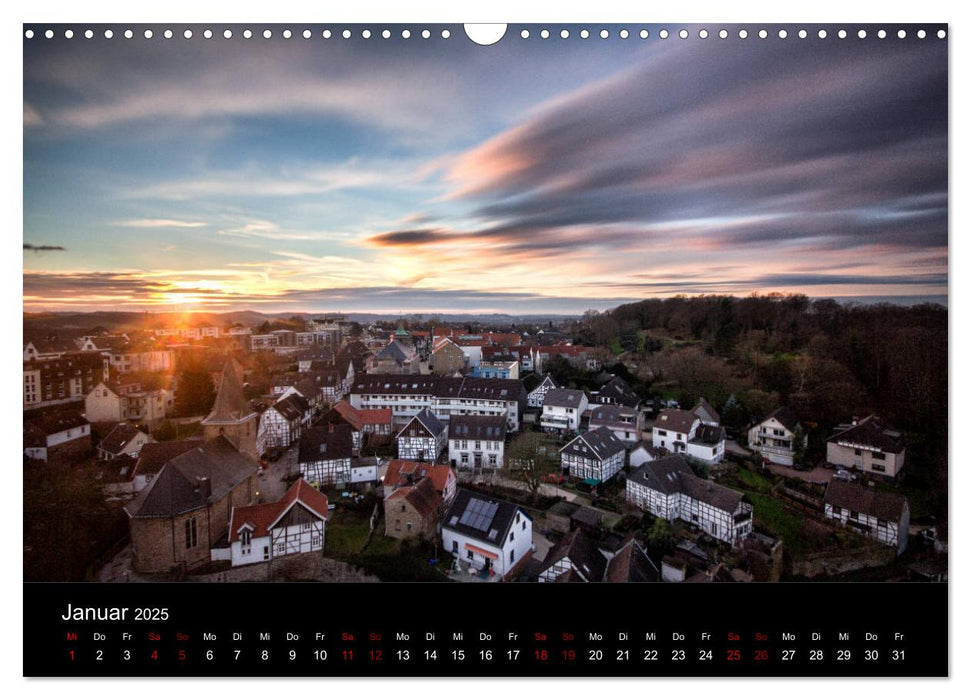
pixel 347 533
pixel 753 480
pixel 772 517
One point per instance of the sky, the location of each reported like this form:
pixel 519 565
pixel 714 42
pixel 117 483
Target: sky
pixel 434 175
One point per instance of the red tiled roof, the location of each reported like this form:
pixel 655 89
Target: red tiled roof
pixel 262 516
pixel 375 416
pixel 399 468
pixel 423 497
pixel 350 414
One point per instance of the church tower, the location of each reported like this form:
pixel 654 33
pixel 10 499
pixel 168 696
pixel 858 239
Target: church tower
pixel 231 415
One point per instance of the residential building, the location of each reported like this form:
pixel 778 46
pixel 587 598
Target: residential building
pixel 617 392
pixel 880 515
pixel 682 432
pixel 869 445
pixel 47 348
pixel 404 472
pixel 575 559
pixel 325 455
pixel 124 438
pixel 112 402
pixel 476 442
pixel 538 395
pixel 281 424
pixel 667 488
pixel 706 413
pixel 423 438
pixel 178 517
pixel 772 437
pixel 623 421
pixel 631 563
pixel 642 452
pixel 499 369
pixel 562 409
pixel 406 396
pixel 293 525
pixel 67 378
pixel 57 438
pixel 413 511
pixel 486 534
pixel 594 457
pixel 447 358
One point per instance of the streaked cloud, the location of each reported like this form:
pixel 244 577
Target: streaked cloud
pixel 160 223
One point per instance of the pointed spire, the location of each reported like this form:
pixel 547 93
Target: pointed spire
pixel 231 405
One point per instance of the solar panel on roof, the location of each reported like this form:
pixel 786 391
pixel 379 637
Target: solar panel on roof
pixel 479 514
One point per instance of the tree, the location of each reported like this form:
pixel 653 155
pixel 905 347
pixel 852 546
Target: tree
pixel 798 445
pixel 195 393
pixel 660 539
pixel 529 458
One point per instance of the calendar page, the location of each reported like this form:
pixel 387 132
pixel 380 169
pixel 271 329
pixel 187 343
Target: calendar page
pixel 346 346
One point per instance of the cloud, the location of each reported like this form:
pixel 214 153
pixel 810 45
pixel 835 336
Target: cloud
pixel 159 223
pixel 42 248
pixel 31 117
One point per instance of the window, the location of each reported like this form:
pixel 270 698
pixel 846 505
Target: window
pixel 306 526
pixel 512 555
pixel 879 455
pixel 470 554
pixel 511 535
pixel 837 510
pixel 246 538
pixel 857 452
pixel 524 525
pixel 266 553
pixel 397 526
pixel 663 433
pixel 878 467
pixel 854 515
pixel 191 535
pixel 881 523
pixel 455 545
pixel 408 527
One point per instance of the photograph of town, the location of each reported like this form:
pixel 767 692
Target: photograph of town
pixel 591 304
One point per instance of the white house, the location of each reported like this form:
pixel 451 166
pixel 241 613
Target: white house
pixel 293 525
pixel 667 488
pixel 485 534
pixel 124 438
pixel 282 423
pixel 595 456
pixel 772 437
pixel 869 445
pixel 879 515
pixel 476 442
pixel 325 454
pixel 113 403
pixel 642 452
pixel 537 395
pixel 682 432
pixel 55 437
pixel 623 421
pixel 562 409
pixel 423 438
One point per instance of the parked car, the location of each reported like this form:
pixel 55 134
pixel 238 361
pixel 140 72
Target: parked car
pixel 844 475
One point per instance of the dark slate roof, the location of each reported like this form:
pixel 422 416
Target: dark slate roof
pixel 494 531
pixel 51 423
pixel 322 443
pixel 613 413
pixel 705 411
pixel 631 564
pixel 871 432
pixel 672 474
pixel 154 455
pixel 316 353
pixel 675 419
pixel 429 420
pixel 292 407
pixel 230 406
pixel 879 504
pixel 120 435
pixel 619 391
pixel 477 428
pixel 784 415
pixel 708 435
pixel 177 488
pixel 429 385
pixel 583 555
pixel 547 381
pixel 570 398
pixel 395 351
pixel 599 444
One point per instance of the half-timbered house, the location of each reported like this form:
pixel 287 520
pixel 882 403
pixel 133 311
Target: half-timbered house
pixel 423 438
pixel 595 456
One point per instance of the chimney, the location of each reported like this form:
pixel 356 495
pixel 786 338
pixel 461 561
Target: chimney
pixel 204 487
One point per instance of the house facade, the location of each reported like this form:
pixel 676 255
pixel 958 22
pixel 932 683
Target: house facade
pixel 413 511
pixel 667 488
pixel 879 515
pixel 623 421
pixel 773 436
pixel 125 439
pixel 293 525
pixel 282 423
pixel 562 409
pixel 325 454
pixel 476 442
pixel 486 534
pixel 447 358
pixel 682 432
pixel 57 438
pixel 423 438
pixel 870 446
pixel 642 452
pixel 595 456
pixel 112 402
pixel 538 395
pixel 67 378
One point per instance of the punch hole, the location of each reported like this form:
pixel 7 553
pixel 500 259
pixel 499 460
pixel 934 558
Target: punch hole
pixel 488 34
